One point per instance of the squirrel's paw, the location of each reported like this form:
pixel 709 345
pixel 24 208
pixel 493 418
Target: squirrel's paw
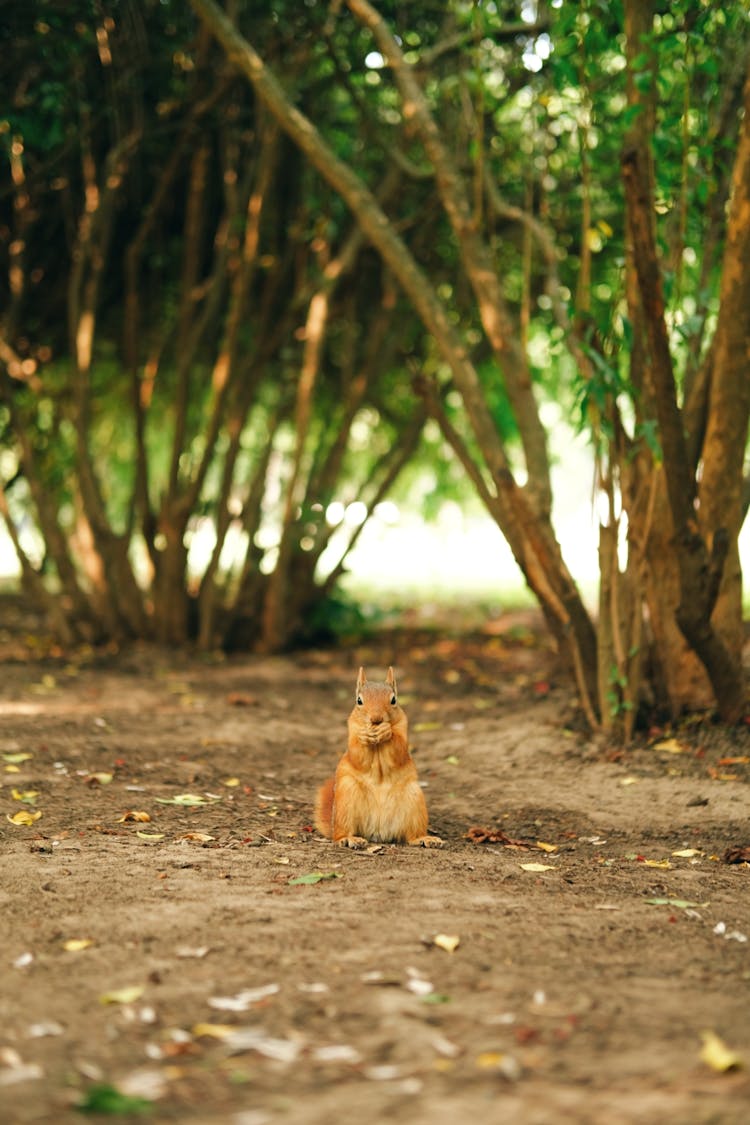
pixel 352 842
pixel 426 842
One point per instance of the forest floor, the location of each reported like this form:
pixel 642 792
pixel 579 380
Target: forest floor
pixel 178 944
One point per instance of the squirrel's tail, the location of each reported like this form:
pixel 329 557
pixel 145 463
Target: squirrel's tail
pixel 324 809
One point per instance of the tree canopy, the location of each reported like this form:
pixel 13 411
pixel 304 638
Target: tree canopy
pixel 249 252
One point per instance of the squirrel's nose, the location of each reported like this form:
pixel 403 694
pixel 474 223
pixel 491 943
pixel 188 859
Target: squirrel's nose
pixel 376 720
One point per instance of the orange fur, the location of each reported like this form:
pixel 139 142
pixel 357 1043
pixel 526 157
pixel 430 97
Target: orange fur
pixel 375 794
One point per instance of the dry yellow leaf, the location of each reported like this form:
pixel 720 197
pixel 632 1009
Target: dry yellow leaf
pixel 23 817
pixel 489 1060
pixel 150 835
pixel 75 945
pixel 231 782
pixel 212 1030
pixel 546 847
pixel 536 867
pixel 134 815
pixel 716 1054
pixel 663 864
pixel 448 942
pixel 687 853
pixel 670 746
pixel 628 781
pixel 123 995
pixel 198 837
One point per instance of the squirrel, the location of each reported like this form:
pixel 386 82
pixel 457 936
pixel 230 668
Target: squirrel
pixel 375 794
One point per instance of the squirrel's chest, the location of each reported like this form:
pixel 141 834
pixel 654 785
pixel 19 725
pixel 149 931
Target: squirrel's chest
pixel 383 806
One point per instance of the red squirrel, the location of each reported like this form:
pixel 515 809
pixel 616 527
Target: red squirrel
pixel 375 794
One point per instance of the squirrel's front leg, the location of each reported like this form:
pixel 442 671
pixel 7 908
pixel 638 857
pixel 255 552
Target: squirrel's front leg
pixel 346 818
pixel 351 841
pixel 426 842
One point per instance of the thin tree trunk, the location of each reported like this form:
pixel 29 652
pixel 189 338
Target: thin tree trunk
pixel 475 256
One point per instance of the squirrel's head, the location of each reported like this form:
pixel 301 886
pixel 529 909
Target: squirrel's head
pixel 374 705
pixel 363 686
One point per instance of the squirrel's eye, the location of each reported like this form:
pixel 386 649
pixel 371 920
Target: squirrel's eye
pixel 359 700
pixel 393 701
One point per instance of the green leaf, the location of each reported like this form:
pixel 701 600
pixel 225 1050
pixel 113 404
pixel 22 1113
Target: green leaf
pixel 314 877
pixel 103 1098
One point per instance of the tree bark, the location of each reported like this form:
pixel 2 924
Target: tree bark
pixel 700 563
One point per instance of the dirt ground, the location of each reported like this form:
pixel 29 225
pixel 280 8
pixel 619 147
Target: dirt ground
pixel 179 945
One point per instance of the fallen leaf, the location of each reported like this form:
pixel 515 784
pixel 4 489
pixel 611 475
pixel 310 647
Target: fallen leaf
pixel 23 817
pixel 98 778
pixel 103 1098
pixel 337 1053
pixel 231 782
pixel 148 1083
pixel 253 1039
pixel 687 853
pixel 44 1029
pixel 720 929
pixel 75 945
pixel 448 942
pixel 127 995
pixel 150 835
pixel 670 746
pixel 479 835
pixel 27 796
pixel 716 776
pixel 212 1030
pixel 187 800
pixel 419 985
pixel 503 1064
pixel 134 815
pixel 192 950
pixel 628 781
pixel 20 1072
pixel 743 760
pixel 546 847
pixel 243 1000
pixel 314 877
pixel 737 855
pixel 678 903
pixel 452 760
pixel 662 864
pixel 429 724
pixel 17 759
pixel 197 837
pixel 536 867
pixel 716 1054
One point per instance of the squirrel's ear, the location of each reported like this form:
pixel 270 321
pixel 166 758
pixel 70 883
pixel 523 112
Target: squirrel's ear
pixel 360 680
pixel 390 678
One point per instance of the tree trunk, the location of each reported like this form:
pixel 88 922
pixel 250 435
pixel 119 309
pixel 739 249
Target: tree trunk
pixel 700 560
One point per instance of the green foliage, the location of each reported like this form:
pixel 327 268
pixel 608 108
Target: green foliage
pixel 538 110
pixel 103 1098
